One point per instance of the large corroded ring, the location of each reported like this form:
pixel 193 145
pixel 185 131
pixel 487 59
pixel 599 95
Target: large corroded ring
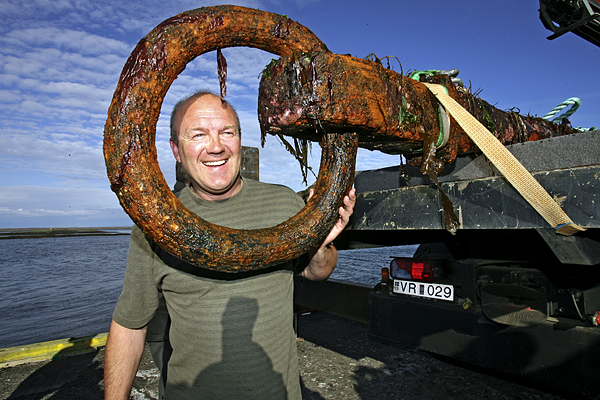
pixel 130 151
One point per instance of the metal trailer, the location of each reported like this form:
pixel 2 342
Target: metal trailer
pixel 505 292
pixel 581 17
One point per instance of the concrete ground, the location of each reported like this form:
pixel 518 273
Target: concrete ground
pixel 337 361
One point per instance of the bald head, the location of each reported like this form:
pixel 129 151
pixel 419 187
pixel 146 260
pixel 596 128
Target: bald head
pixel 183 105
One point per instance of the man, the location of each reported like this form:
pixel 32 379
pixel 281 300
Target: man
pixel 157 330
pixel 231 334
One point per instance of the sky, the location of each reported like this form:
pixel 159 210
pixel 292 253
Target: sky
pixel 60 61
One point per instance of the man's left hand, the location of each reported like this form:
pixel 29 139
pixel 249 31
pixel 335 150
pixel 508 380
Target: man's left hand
pixel 345 212
pixel 323 260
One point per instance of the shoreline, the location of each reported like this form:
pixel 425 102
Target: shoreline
pixel 29 233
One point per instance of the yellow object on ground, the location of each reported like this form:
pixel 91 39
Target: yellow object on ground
pixel 51 350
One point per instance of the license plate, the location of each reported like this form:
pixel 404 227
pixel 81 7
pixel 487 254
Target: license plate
pixel 422 289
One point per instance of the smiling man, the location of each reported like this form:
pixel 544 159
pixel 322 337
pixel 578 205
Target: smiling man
pixel 207 142
pixel 232 334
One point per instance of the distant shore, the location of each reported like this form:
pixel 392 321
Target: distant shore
pixel 27 233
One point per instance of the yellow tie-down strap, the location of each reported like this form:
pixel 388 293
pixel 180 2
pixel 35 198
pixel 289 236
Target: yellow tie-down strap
pixel 508 165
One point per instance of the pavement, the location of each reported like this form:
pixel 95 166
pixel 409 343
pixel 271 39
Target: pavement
pixel 337 361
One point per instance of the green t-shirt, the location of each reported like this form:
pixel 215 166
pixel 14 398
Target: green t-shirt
pixel 230 338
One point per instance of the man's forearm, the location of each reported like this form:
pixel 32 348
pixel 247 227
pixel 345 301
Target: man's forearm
pixel 122 356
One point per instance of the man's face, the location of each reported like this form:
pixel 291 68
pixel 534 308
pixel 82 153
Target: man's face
pixel 209 147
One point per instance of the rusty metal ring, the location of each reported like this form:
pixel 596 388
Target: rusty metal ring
pixel 130 152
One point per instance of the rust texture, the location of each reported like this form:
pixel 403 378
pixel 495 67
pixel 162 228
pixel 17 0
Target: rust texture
pixel 130 152
pixel 391 112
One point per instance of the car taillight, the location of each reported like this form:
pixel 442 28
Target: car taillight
pixel 385 274
pixel 417 270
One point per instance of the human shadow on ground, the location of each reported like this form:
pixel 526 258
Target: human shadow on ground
pixel 65 377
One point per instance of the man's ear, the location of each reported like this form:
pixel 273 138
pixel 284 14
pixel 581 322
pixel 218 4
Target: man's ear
pixel 175 150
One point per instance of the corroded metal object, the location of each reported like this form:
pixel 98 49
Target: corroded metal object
pixel 392 113
pixel 130 152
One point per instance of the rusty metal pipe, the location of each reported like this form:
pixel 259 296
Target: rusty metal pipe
pixel 391 112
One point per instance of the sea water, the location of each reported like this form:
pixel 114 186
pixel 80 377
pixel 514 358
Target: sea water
pixel 61 287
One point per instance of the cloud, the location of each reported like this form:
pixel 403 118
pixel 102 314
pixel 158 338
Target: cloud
pixel 68 40
pixel 20 207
